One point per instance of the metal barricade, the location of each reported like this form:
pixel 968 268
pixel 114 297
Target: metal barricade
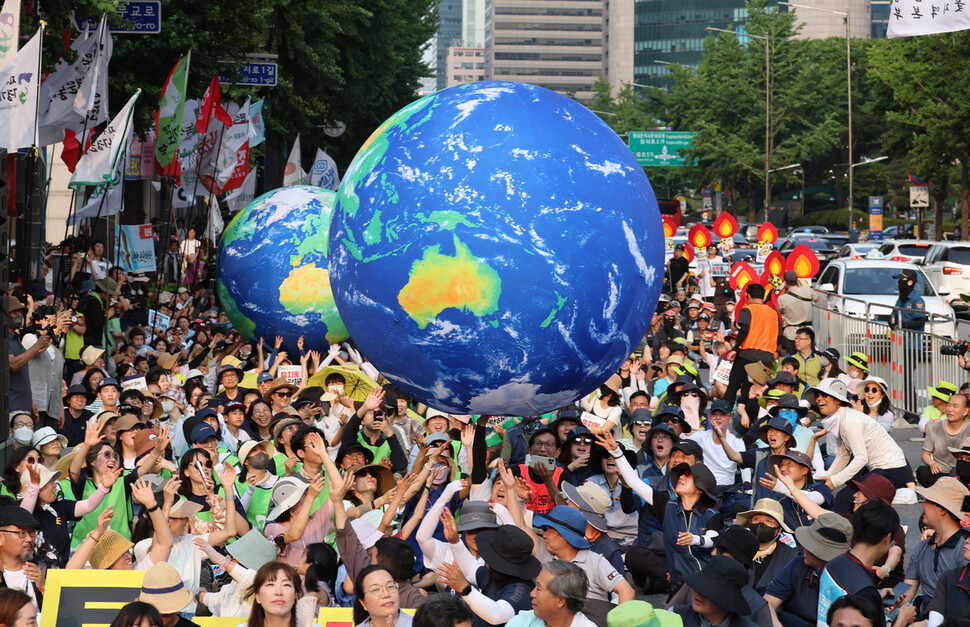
pixel 909 361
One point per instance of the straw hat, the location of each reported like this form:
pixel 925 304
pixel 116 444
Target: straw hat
pixel 90 355
pixel 109 548
pixel 248 446
pixel 64 463
pixel 163 588
pixel 385 480
pixel 768 507
pixel 166 360
pixel 277 385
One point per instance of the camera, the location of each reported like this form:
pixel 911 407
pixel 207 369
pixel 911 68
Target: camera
pixel 955 350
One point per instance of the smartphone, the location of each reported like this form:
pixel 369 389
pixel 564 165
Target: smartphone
pixel 537 460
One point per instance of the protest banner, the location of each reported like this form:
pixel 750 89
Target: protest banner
pixel 136 247
pixel 292 374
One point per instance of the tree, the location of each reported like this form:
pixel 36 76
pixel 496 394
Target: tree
pixel 929 108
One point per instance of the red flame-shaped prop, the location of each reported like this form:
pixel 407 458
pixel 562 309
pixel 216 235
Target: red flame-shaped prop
pixel 802 261
pixel 700 236
pixel 741 274
pixel 725 226
pixel 767 233
pixel 775 263
pixel 670 229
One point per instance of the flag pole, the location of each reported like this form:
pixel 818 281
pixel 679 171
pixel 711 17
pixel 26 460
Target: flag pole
pixel 34 193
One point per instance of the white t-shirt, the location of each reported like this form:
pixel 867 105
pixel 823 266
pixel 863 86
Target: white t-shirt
pixel 17 580
pixel 715 458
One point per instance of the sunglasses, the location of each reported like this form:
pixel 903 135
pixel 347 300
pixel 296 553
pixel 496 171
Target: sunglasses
pixel 586 441
pixel 207 463
pixel 691 393
pixel 284 394
pixel 873 389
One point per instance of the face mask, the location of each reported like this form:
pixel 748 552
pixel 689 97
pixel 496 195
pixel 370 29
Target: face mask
pixel 17 322
pixel 259 461
pixel 336 388
pixel 791 415
pixel 23 435
pixel 690 403
pixel 441 474
pixel 854 373
pixel 245 355
pixel 763 532
pixel 963 470
pixel 167 406
pixel 905 288
pixel 873 405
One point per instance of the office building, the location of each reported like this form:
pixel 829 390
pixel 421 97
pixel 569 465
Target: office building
pixel 465 65
pixel 821 25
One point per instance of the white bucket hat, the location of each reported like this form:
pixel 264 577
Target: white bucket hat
pixel 833 387
pixel 286 493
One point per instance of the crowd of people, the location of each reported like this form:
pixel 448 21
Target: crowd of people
pixel 730 468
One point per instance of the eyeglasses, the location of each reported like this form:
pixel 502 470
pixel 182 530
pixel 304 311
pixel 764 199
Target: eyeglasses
pixel 108 454
pixel 23 535
pixel 583 441
pixel 872 389
pixel 390 588
pixel 544 445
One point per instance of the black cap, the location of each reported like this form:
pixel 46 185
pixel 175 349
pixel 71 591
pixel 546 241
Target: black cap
pixel 739 542
pixel 354 447
pixel 679 247
pixel 689 447
pixel 906 274
pixel 17 517
pixel 721 405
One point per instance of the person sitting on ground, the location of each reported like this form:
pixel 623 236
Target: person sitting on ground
pixel 716 595
pixel 557 599
pixel 936 410
pixel 874 525
pixel 766 522
pixel 942 437
pixel 793 594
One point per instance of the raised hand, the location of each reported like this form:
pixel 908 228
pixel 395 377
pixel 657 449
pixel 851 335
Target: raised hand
pixel 506 475
pixel 451 576
pixel 227 476
pixel 468 436
pixel 340 487
pixel 34 470
pixel 449 526
pixel 104 519
pixel 142 491
pixel 92 435
pixel 317 484
pixel 606 440
pixel 278 342
pixel 374 399
pixel 111 475
pixel 299 343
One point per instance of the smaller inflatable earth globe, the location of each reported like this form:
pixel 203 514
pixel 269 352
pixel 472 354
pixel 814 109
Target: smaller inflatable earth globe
pixel 496 249
pixel 272 276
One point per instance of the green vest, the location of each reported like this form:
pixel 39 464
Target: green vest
pixel 116 498
pixel 259 505
pixel 381 451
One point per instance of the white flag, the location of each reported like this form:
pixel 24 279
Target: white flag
pixel 216 225
pixel 182 197
pixel 913 17
pixel 92 97
pixel 77 90
pixel 19 83
pixel 9 30
pixel 99 165
pixel 324 172
pixel 103 203
pixel 233 139
pixel 244 194
pixel 293 174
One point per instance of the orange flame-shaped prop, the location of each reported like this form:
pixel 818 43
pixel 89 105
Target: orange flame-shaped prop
pixel 741 274
pixel 670 229
pixel 688 253
pixel 725 226
pixel 775 263
pixel 767 233
pixel 700 236
pixel 802 261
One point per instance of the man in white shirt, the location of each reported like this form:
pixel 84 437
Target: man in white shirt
pixel 724 470
pixel 18 533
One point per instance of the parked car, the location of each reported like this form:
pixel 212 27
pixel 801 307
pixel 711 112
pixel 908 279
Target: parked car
pixel 947 264
pixel 822 249
pixel 899 231
pixel 909 251
pixel 869 288
pixel 856 251
pixel 808 230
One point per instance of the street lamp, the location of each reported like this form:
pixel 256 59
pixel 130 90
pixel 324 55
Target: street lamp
pixel 848 74
pixel 664 89
pixel 767 108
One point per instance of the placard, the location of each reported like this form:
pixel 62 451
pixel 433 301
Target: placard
pixel 136 248
pixel 591 421
pixel 722 374
pixel 292 374
pixel 136 382
pixel 159 320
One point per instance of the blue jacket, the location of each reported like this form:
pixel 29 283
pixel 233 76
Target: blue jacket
pixel 682 560
pixel 911 319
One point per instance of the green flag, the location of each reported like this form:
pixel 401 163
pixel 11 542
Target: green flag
pixel 171 105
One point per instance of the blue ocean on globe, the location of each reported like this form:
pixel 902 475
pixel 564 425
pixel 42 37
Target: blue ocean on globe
pixel 272 275
pixel 496 249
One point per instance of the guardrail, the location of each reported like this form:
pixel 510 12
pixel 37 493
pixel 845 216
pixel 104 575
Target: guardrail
pixel 908 360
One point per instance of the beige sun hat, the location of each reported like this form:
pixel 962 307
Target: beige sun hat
pixel 163 588
pixel 109 548
pixel 768 507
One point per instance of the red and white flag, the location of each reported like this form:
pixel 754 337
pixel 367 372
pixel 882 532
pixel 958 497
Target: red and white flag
pixel 293 174
pixel 210 106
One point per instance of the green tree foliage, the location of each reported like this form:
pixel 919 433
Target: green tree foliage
pixel 928 109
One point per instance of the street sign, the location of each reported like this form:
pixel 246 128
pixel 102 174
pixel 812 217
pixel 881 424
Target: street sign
pixel 659 148
pixel 919 197
pixel 875 218
pixel 262 74
pixel 706 191
pixel 141 17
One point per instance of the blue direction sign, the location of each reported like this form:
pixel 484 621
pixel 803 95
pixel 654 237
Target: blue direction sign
pixel 141 17
pixel 254 73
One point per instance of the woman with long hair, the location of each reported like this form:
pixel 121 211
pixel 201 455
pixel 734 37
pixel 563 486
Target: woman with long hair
pixel 17 609
pixel 276 596
pixel 378 602
pixel 318 567
pixel 17 463
pixel 138 614
pixel 606 404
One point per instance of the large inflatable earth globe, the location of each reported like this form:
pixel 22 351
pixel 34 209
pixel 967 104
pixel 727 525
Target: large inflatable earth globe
pixel 272 276
pixel 496 249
